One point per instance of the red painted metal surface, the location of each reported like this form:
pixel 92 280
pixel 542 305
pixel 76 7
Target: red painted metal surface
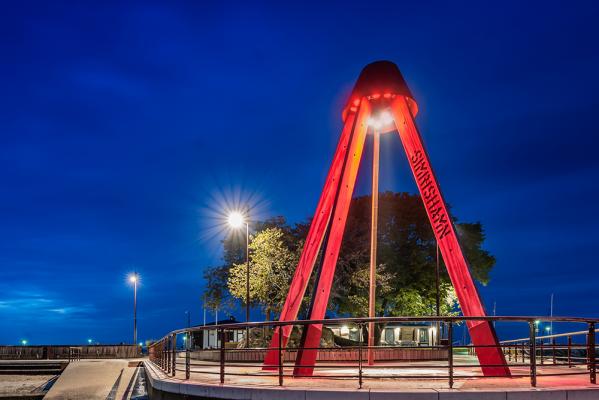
pixel 379 88
pixel 481 332
pixel 311 339
pixel 312 246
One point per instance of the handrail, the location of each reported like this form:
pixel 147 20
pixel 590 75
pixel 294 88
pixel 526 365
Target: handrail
pixel 243 325
pixel 556 335
pixel 165 355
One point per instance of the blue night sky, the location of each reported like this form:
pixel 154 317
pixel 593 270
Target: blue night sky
pixel 126 128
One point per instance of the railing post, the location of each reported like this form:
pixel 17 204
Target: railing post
pixel 509 353
pixel 168 355
pixel 360 338
pixel 569 351
pixel 542 352
pixel 533 354
pixel 174 350
pixel 553 349
pixel 187 355
pixel 450 352
pixel 591 353
pixel 222 355
pixel 587 342
pixel 521 345
pixel 280 356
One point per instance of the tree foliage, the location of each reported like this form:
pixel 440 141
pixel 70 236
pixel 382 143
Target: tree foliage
pixel 406 261
pixel 272 263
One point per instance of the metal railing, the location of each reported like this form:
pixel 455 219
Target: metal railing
pixel 58 352
pixel 549 349
pixel 525 356
pixel 74 354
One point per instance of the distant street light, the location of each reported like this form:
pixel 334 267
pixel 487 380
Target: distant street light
pixel 133 278
pixel 24 342
pixel 89 341
pixel 237 220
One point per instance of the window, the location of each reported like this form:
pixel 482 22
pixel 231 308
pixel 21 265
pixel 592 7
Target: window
pixel 389 336
pixel 423 336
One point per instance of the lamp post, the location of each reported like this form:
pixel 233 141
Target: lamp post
pixel 377 124
pixel 237 220
pixel 551 313
pixel 437 297
pixel 133 278
pixel 373 242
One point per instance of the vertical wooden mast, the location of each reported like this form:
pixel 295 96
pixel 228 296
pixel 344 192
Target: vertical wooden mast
pixel 373 242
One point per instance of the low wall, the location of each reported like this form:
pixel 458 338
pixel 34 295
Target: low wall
pixel 333 354
pixel 61 352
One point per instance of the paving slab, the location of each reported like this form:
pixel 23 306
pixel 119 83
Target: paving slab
pixel 250 382
pixel 540 395
pixel 424 394
pixel 92 380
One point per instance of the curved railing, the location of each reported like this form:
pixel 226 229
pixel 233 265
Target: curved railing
pixel 528 357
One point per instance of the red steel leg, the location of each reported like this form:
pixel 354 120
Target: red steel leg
pixel 306 357
pixel 481 332
pixel 312 246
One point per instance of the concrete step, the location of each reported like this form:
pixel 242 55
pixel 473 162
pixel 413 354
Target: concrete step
pixel 32 367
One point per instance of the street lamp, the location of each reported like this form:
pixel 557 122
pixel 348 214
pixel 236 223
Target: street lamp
pixel 24 342
pixel 237 220
pixel 89 341
pixel 133 278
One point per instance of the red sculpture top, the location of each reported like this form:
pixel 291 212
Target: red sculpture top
pixel 380 80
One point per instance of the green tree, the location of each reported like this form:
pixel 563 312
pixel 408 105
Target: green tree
pixel 272 264
pixel 406 261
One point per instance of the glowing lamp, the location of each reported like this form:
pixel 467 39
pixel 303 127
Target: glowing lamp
pixel 236 220
pixel 382 120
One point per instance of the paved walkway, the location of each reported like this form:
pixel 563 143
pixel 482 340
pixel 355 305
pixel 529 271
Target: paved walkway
pixel 94 379
pixel 340 382
pixel 411 375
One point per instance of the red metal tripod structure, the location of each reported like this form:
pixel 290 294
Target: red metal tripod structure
pixel 380 98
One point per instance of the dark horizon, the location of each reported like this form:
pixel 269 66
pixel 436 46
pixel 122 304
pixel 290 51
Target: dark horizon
pixel 128 129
